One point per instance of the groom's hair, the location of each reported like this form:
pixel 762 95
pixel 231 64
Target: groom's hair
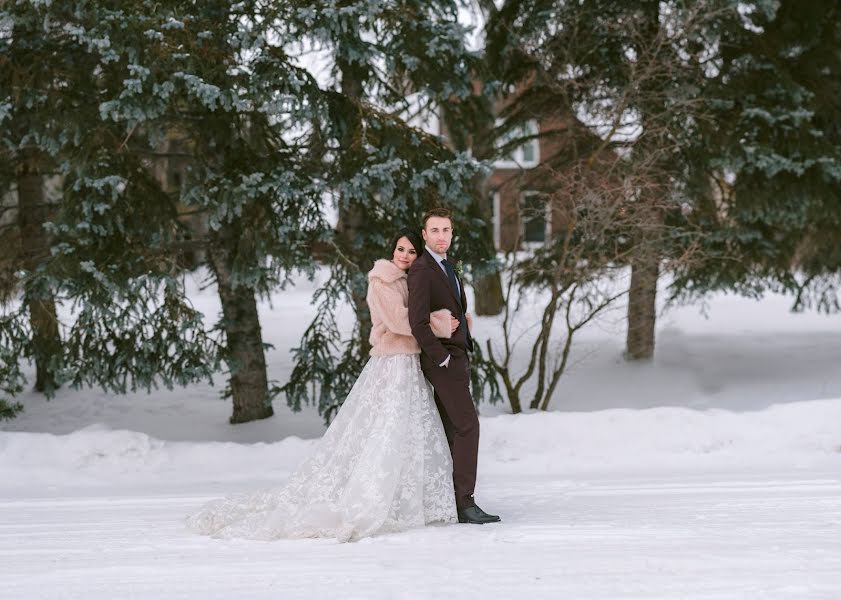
pixel 444 213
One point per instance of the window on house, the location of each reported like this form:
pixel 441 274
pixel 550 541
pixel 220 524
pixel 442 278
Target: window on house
pixel 525 156
pixel 535 217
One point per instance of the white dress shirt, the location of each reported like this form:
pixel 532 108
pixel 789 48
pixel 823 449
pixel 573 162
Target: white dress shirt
pixel 439 258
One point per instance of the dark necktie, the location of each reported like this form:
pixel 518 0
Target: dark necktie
pixel 451 275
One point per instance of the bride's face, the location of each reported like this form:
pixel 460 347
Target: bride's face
pixel 404 253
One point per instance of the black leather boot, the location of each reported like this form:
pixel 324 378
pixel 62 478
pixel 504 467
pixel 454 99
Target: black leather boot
pixel 475 515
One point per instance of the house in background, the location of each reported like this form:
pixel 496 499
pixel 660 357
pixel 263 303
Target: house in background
pixel 171 169
pixel 520 183
pixel 519 187
pixel 523 187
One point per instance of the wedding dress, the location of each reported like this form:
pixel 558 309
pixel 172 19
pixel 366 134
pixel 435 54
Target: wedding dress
pixel 383 465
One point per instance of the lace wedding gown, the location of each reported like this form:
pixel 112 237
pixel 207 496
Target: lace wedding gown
pixel 383 465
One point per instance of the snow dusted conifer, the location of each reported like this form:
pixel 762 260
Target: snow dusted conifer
pixel 147 71
pixel 264 146
pixel 383 174
pixel 774 150
pixel 110 227
pixel 31 85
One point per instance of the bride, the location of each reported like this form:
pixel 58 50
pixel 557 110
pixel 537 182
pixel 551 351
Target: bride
pixel 383 465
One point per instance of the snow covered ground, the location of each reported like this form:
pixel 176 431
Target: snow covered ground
pixel 714 472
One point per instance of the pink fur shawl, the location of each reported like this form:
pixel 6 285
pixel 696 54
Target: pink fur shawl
pixel 388 299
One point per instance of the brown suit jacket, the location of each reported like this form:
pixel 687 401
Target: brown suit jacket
pixel 430 290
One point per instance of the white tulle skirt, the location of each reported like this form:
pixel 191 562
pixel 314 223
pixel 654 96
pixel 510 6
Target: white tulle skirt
pixel 383 465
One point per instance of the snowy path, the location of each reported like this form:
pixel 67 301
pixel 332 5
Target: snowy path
pixel 759 535
pixel 712 473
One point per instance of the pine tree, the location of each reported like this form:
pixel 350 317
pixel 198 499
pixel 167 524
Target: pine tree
pixel 638 72
pixel 129 75
pixel 265 145
pixel 775 156
pixel 110 256
pixel 620 81
pixel 218 76
pixel 31 83
pixel 384 173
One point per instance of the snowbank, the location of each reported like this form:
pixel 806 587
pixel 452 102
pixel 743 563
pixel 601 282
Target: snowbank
pixel 795 435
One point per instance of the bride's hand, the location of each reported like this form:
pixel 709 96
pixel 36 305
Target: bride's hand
pixel 453 324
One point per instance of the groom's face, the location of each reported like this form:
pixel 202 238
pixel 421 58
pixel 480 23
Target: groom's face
pixel 438 234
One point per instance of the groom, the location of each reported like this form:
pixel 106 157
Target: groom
pixel 433 285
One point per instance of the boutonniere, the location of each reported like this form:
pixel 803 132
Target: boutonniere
pixel 460 269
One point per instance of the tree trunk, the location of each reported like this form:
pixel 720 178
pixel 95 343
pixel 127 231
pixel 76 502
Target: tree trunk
pixel 33 212
pixel 488 296
pixel 245 356
pixel 351 222
pixel 351 219
pixel 645 263
pixel 642 305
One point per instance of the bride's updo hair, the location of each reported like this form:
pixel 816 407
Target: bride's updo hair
pixel 413 238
